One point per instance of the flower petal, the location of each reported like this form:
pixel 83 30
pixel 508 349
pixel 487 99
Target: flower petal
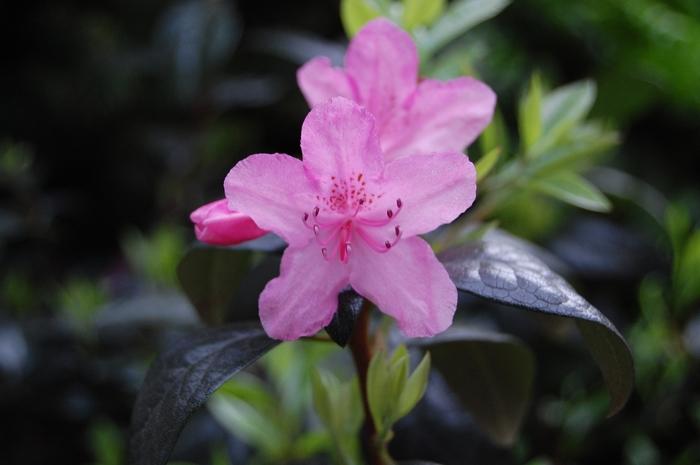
pixel 434 189
pixel 382 61
pixel 319 81
pixel 408 283
pixel 303 299
pixel 339 139
pixel 215 224
pixel 442 116
pixel 274 190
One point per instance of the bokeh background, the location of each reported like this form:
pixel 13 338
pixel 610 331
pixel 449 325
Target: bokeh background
pixel 117 118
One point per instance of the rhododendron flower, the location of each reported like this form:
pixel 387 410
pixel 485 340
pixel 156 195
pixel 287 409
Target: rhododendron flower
pixel 215 224
pixel 381 73
pixel 352 218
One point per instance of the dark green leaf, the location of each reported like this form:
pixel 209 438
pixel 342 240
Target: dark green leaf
pixel 210 276
pixel 492 375
pixel 181 380
pixel 499 270
pixel 349 306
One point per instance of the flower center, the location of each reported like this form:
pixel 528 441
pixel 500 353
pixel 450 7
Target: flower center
pixel 344 219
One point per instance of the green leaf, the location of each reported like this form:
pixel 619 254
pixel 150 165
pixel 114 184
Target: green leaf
pixel 495 135
pixel 107 443
pixel 499 270
pixel 459 17
pixel 678 226
pixel 571 188
pixel 377 390
pixel 356 13
pixel 530 114
pixel 486 163
pixel 210 276
pixel 687 281
pixel 417 13
pixel 562 109
pixel 414 388
pixel 182 379
pixel 491 373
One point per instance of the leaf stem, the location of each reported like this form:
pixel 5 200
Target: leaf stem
pixel 362 354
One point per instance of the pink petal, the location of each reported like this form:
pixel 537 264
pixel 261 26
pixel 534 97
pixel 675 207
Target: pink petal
pixel 303 299
pixel 382 61
pixel 408 283
pixel 274 190
pixel 442 116
pixel 339 139
pixel 434 189
pixel 319 81
pixel 215 224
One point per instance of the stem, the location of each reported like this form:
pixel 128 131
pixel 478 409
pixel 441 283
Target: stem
pixel 362 354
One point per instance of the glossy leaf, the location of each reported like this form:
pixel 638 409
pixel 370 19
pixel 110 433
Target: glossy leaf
pixel 459 17
pixel 349 306
pixel 210 276
pixel 571 188
pixel 491 373
pixel 355 13
pixel 182 379
pixel 499 270
pixel 417 13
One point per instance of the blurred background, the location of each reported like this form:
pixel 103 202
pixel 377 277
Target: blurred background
pixel 118 118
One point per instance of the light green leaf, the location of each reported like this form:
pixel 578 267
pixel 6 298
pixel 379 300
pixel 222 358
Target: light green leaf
pixel 486 163
pixel 414 388
pixel 356 13
pixel 377 395
pixel 460 16
pixel 495 135
pixel 571 188
pixel 562 109
pixel 530 114
pixel 417 13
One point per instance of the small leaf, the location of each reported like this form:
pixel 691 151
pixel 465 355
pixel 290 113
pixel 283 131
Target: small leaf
pixel 491 373
pixel 459 17
pixel 181 380
pixel 349 306
pixel 417 13
pixel 356 13
pixel 377 394
pixel 209 276
pixel 678 225
pixel 571 188
pixel 486 163
pixel 530 114
pixel 562 109
pixel 687 280
pixel 414 388
pixel 501 271
pixel 495 135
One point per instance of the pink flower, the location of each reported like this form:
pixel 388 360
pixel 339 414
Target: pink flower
pixel 215 224
pixel 381 73
pixel 352 218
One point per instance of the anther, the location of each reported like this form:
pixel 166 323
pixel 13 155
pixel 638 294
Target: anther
pixel 306 217
pixel 387 244
pixel 399 203
pixel 348 248
pixel 389 213
pixel 324 252
pixel 397 231
pixel 316 210
pixel 317 229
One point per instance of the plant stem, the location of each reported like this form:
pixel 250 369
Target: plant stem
pixel 362 354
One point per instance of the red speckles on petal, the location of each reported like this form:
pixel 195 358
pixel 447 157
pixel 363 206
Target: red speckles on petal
pixel 347 195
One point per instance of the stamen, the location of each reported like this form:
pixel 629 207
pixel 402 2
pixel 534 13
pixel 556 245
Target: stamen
pixel 387 244
pixel 317 229
pixel 324 252
pixel 391 214
pixel 316 210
